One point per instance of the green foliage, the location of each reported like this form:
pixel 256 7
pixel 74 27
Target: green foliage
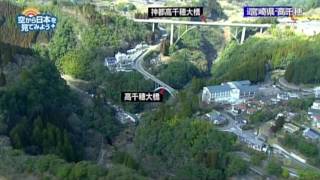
pixel 102 118
pixel 309 175
pixel 305 70
pixel 37 106
pixel 302 145
pixel 196 57
pixel 192 39
pixel 285 173
pixel 48 165
pixel 126 7
pixel 186 146
pixel 300 104
pixel 274 168
pixel 249 60
pixel 196 85
pixel 278 124
pixel 2 79
pixel 119 34
pixel 165 47
pixel 236 166
pixel 125 159
pixel 63 40
pixel 212 9
pixel 178 73
pixel 77 63
pixel 120 172
pixel 257 158
pixel 261 116
pixel 115 83
pixel 9 30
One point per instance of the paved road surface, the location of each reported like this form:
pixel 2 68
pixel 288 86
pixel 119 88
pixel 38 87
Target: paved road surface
pixel 138 66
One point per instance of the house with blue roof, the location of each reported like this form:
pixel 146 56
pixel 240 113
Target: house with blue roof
pixel 230 92
pixel 311 134
pixel 216 118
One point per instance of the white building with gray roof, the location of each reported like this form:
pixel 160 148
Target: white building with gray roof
pixel 230 92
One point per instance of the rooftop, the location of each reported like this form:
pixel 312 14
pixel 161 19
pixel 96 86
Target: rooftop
pixel 219 88
pixel 311 133
pixel 243 86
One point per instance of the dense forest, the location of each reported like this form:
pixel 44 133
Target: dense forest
pixel 8 25
pixel 306 70
pixel 53 167
pixel 39 112
pixel 183 147
pixel 35 110
pixel 57 132
pixel 259 54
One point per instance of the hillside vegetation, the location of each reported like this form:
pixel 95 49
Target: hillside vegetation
pixel 259 54
pixel 8 26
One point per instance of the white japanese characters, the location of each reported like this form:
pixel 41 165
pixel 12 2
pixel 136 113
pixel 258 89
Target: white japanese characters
pixel 141 97
pixel 269 11
pixel 175 12
pixel 36 23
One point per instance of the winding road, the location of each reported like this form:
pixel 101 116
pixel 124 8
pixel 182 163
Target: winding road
pixel 139 67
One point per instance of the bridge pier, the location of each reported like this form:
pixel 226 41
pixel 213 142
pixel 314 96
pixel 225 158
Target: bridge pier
pixel 153 25
pixel 243 35
pixel 171 35
pixel 235 36
pixel 261 30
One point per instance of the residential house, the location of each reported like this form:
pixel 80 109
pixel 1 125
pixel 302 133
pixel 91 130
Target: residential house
pixel 291 128
pixel 252 141
pixel 314 113
pixel 311 134
pixel 238 108
pixel 110 62
pixel 316 105
pixel 216 118
pixel 315 120
pixel 282 97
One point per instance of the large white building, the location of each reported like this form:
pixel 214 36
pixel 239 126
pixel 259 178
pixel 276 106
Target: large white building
pixel 230 92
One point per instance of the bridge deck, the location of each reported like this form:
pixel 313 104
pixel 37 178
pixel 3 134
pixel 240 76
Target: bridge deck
pixel 166 21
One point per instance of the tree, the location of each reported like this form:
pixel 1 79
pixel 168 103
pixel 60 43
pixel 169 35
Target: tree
pixel 164 47
pixel 257 158
pixel 63 41
pixel 285 173
pixel 77 63
pixel 309 175
pixel 213 9
pixel 274 168
pixel 278 124
pixel 236 166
